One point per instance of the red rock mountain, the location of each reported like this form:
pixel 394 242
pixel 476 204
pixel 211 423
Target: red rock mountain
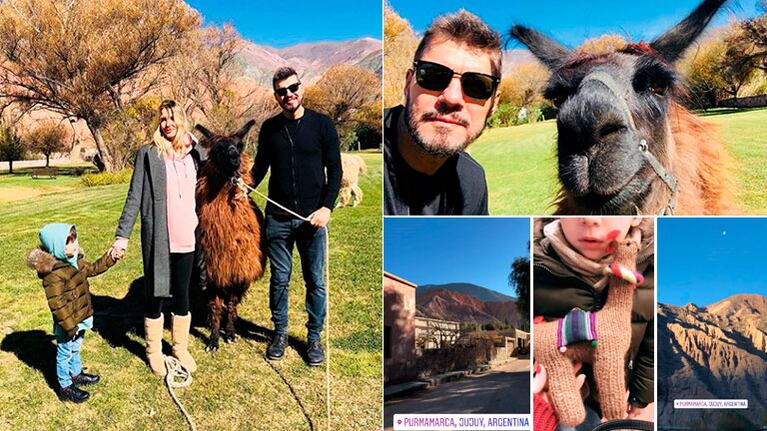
pixel 713 352
pixel 310 59
pixel 449 305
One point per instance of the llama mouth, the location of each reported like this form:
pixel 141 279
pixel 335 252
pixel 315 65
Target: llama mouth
pixel 625 200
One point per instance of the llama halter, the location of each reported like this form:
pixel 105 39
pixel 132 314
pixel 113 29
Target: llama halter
pixel 605 79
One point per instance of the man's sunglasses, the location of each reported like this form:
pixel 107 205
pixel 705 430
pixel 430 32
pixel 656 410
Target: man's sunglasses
pixel 436 77
pixel 282 92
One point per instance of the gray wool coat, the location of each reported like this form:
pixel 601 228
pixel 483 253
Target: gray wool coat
pixel 146 195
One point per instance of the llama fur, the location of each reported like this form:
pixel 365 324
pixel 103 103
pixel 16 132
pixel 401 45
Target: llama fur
pixel 231 236
pixel 352 167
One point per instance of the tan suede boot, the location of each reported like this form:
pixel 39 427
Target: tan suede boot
pixel 153 334
pixel 180 332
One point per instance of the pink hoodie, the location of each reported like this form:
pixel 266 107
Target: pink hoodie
pixel 181 178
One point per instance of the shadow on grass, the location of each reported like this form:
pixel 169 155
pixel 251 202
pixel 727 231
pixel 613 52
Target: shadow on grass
pixel 35 348
pixel 114 318
pixel 251 331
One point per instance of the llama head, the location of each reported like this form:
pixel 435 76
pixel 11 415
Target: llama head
pixel 225 151
pixel 611 108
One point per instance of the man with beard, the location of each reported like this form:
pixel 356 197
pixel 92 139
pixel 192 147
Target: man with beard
pixel 450 92
pixel 298 145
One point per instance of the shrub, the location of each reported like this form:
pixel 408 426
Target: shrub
pixel 106 178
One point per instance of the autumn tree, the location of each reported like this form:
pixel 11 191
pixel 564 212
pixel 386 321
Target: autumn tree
pixel 211 85
pixel 604 44
pixel 348 94
pixel 129 128
pixel 12 147
pixel 48 137
pixel 87 59
pixel 399 47
pixel 523 86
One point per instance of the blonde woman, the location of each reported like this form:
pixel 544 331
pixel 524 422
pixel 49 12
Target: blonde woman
pixel 162 189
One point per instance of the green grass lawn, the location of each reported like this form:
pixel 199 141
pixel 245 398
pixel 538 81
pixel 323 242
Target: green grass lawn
pixel 521 166
pixel 234 388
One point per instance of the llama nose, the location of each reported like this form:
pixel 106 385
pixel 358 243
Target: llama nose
pixel 590 119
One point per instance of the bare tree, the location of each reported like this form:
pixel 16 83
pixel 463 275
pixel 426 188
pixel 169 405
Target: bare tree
pixel 86 59
pixel 348 94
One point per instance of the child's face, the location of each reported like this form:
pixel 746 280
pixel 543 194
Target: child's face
pixel 71 248
pixel 589 235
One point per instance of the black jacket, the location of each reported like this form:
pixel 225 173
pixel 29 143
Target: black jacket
pixel 457 188
pixel 557 289
pixel 298 154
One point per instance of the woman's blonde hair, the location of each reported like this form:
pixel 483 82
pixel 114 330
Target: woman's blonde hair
pixel 164 146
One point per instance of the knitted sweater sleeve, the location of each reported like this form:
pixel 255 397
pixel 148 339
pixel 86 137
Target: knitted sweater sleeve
pixel 544 417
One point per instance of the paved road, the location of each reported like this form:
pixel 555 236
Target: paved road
pixel 502 390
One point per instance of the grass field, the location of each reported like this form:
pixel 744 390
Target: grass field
pixel 521 166
pixel 234 388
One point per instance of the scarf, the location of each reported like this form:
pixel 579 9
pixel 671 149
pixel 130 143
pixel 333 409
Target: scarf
pixel 589 270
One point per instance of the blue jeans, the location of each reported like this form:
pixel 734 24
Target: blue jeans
pixel 281 234
pixel 68 362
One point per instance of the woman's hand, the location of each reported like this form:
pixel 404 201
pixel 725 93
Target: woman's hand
pixel 118 248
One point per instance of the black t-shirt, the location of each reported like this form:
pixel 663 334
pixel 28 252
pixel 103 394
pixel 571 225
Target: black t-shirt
pixel 457 188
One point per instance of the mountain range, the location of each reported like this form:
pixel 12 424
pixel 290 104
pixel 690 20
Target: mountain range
pixel 310 59
pixel 466 303
pixel 717 351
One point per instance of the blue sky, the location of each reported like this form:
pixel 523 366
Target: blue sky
pixel 281 24
pixel 704 260
pixel 446 250
pixel 570 22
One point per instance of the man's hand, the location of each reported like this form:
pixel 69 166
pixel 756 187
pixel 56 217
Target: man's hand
pixel 320 217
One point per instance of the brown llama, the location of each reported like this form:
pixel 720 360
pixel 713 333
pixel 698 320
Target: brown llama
pixel 625 145
pixel 352 167
pixel 231 227
pixel 612 325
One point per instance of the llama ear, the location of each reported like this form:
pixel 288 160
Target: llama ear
pixel 672 44
pixel 546 49
pixel 205 132
pixel 244 130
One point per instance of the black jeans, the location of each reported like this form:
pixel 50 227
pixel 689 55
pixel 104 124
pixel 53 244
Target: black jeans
pixel 180 277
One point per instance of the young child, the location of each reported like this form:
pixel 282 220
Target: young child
pixel 569 255
pixel 59 263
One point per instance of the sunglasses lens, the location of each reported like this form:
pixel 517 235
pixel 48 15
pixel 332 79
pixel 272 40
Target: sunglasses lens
pixel 478 86
pixel 282 92
pixel 432 76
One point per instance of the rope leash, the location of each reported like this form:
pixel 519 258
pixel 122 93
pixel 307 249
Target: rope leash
pixel 237 181
pixel 178 377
